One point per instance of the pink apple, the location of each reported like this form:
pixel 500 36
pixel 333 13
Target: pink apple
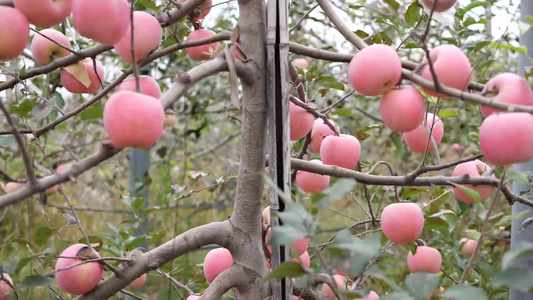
pixel 371 296
pixel 301 63
pixel 442 5
pixel 402 109
pixel 343 151
pixel 104 21
pixel 147 85
pixel 472 169
pixel 506 138
pixel 133 120
pixel 73 85
pixel 402 222
pixel 202 11
pixel 215 262
pixel 46 13
pixel 15 33
pixel 138 283
pixel 468 246
pixel 147 36
pixel 13 186
pixel 417 139
pixel 45 51
pixel 63 167
pixel 5 289
pixel 170 120
pixel 193 297
pixel 458 148
pixel 375 70
pixel 425 259
pixel 319 132
pixel 202 52
pixel 310 182
pixel 452 67
pixel 507 88
pixel 341 282
pixel 304 258
pixel 80 279
pixel 301 122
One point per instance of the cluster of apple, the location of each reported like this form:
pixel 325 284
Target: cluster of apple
pixel 82 278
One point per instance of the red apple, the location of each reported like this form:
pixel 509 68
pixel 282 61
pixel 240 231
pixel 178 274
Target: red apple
pixel 425 259
pixel 45 13
pixel 319 132
pixel 299 245
pixel 452 67
pixel 375 70
pixel 202 11
pixel 301 122
pixel 13 186
pixel 402 109
pixel 506 138
pixel 138 283
pixel 215 262
pixel 458 148
pixel 442 5
pixel 304 258
pixel 45 51
pixel 371 296
pixel 133 120
pixel 73 85
pixel 507 88
pixel 15 33
pixel 468 246
pixel 202 52
pixel 80 279
pixel 402 222
pixel 472 169
pixel 310 182
pixel 301 63
pixel 343 151
pixel 5 289
pixel 104 21
pixel 417 139
pixel 147 36
pixel 341 282
pixel 147 85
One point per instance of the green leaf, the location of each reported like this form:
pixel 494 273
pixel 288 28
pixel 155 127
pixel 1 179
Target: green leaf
pixel 470 192
pixel 412 191
pixel 358 252
pixel 420 285
pixel 36 281
pixel 442 212
pixel 517 176
pixel 335 192
pixel 130 245
pixel 473 234
pixel 464 292
pixel 516 277
pixel 520 249
pixel 7 140
pixel 522 50
pixel 412 15
pixel 443 113
pixel 337 85
pixel 507 219
pixel 92 113
pixel 22 109
pixel 138 203
pixel 24 261
pixel 343 112
pixel 43 233
pixel 287 269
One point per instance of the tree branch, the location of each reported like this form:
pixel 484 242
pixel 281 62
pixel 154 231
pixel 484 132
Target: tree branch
pixel 212 233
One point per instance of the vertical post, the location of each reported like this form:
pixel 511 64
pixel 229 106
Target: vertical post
pixel 278 127
pixel 526 39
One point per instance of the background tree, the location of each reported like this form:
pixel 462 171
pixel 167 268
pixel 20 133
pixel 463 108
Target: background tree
pixel 207 175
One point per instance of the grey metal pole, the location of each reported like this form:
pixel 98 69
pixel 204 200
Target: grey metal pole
pixel 139 167
pixel 526 39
